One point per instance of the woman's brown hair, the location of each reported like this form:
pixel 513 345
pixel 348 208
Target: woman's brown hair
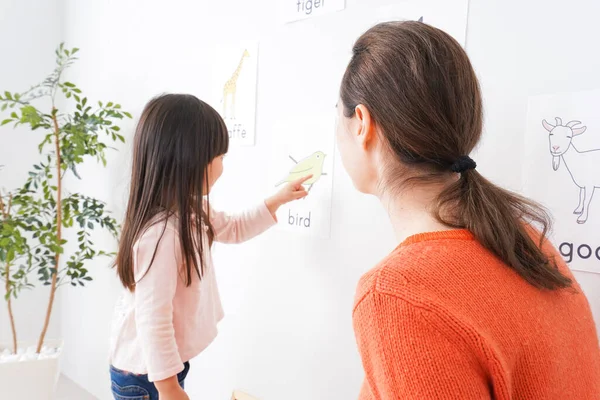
pixel 176 138
pixel 422 92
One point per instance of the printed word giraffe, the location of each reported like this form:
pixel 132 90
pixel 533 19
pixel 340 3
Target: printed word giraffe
pixel 230 88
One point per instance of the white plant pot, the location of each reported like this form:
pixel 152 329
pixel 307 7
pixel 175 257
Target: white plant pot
pixel 31 379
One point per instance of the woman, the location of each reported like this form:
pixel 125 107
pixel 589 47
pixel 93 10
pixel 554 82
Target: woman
pixel 474 303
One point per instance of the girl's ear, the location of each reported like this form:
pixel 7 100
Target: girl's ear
pixel 366 130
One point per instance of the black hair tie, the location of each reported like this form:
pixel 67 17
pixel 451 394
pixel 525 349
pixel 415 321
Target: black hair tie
pixel 464 163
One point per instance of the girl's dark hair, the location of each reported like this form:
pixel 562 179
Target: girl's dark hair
pixel 422 92
pixel 176 138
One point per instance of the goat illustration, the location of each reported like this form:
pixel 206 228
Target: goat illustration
pixel 583 166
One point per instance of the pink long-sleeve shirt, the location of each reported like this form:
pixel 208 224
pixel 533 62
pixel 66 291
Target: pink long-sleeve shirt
pixel 163 323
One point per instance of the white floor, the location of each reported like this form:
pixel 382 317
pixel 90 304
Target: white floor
pixel 69 390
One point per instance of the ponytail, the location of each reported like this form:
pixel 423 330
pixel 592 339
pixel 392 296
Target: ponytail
pixel 501 221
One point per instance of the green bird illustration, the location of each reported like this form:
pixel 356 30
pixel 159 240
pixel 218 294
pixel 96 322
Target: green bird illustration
pixel 311 165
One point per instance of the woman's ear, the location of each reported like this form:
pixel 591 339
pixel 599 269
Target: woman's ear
pixel 366 132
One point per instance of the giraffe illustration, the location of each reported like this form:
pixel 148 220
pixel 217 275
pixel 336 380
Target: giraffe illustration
pixel 230 88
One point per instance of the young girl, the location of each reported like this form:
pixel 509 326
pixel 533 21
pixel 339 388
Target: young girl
pixel 171 307
pixel 474 303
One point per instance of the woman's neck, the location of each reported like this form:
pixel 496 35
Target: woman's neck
pixel 411 213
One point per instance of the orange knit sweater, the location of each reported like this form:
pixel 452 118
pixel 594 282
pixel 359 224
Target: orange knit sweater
pixel 442 318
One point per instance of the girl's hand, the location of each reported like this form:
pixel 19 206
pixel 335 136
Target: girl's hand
pixel 290 192
pixel 178 394
pixel 169 389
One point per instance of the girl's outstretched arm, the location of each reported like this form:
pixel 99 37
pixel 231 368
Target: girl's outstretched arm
pixel 237 228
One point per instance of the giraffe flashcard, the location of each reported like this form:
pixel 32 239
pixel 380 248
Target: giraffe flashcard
pixel 303 149
pixel 561 170
pixel 295 10
pixel 234 79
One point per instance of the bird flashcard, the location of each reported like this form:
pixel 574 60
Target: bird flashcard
pixel 311 165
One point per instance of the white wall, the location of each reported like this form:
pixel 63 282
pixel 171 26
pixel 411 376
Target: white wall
pixel 288 300
pixel 29 32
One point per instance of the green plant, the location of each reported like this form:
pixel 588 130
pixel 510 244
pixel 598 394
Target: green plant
pixel 34 216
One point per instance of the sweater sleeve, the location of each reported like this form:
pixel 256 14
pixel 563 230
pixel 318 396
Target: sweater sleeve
pixel 406 356
pixel 238 228
pixel 157 266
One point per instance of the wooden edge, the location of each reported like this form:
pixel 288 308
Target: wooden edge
pixel 238 395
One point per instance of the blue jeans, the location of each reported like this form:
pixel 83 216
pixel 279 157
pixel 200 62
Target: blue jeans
pixel 128 386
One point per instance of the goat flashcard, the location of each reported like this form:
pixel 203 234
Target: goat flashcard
pixel 562 171
pixel 305 148
pixel 233 93
pixel 577 162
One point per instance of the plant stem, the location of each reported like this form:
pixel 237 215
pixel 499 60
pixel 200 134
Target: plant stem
pixel 10 311
pixel 58 230
pixel 11 317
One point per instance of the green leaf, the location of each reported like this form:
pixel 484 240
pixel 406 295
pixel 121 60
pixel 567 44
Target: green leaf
pixel 4 106
pixel 75 50
pixel 127 114
pixel 30 115
pixel 6 121
pixel 90 225
pixel 10 255
pixel 69 84
pixel 110 104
